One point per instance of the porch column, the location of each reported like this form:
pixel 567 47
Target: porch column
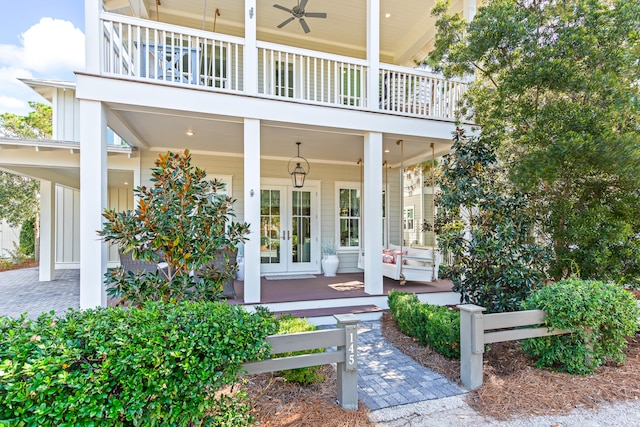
pixel 93 200
pixel 92 9
pixel 250 66
pixel 469 9
pixel 252 210
pixel 373 54
pixel 373 213
pixel 47 231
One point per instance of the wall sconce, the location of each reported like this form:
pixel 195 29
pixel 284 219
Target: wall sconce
pixel 299 173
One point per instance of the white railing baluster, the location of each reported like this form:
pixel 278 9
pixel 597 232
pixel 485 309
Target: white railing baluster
pixel 142 49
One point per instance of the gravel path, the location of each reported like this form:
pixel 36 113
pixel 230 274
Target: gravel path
pixel 454 412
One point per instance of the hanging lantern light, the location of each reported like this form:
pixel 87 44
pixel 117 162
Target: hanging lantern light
pixel 299 172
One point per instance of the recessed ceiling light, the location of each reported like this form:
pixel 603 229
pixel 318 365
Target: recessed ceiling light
pixel 387 15
pixel 126 183
pixel 190 133
pixel 386 150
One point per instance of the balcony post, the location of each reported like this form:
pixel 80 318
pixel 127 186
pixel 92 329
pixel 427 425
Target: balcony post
pixel 250 70
pixel 93 41
pixel 373 54
pixel 469 9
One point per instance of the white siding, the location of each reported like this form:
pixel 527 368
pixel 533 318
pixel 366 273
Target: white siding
pixel 66 115
pixel 8 236
pixel 67 227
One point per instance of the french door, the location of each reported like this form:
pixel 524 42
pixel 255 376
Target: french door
pixel 288 229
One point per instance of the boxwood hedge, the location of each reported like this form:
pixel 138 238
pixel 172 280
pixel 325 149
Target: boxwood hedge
pixel 160 365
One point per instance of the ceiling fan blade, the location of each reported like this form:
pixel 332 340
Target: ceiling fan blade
pixel 277 6
pixel 315 15
pixel 304 25
pixel 303 3
pixel 286 22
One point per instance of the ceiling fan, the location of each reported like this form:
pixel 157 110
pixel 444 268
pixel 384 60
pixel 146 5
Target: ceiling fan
pixel 299 12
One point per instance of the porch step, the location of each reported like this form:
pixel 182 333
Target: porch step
pixel 323 316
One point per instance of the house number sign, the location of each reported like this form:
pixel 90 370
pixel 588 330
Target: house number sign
pixel 351 332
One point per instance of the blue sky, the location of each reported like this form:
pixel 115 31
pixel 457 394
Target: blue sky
pixel 38 39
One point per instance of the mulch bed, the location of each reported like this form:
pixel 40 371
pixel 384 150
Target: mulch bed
pixel 512 386
pixel 280 403
pixel 25 264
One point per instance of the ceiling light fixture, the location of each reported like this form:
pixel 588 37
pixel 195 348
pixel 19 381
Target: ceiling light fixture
pixel 387 15
pixel 298 174
pixel 190 132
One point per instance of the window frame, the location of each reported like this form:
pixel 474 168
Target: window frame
pixel 345 185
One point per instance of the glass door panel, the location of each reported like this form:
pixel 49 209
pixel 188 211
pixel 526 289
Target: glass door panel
pixel 270 227
pixel 301 227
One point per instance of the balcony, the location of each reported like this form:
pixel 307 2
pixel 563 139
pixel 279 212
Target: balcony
pixel 144 50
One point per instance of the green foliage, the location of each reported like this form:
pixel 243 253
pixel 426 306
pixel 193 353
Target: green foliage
pixel 28 237
pixel 158 365
pixel 599 315
pixel 556 91
pixel 181 219
pixel 18 198
pixel 432 325
pixel 311 374
pixel 18 195
pixel 483 223
pixel 35 125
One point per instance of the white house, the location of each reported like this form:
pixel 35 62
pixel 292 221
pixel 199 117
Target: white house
pixel 239 83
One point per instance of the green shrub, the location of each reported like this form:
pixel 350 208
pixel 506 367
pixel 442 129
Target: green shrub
pixel 311 374
pixel 599 315
pixel 28 237
pixel 158 365
pixel 432 325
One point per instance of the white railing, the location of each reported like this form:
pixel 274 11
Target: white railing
pixel 311 76
pixel 418 92
pixel 140 49
pixel 143 49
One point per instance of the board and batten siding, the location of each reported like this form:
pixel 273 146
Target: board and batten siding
pixel 68 223
pixel 8 236
pixel 66 115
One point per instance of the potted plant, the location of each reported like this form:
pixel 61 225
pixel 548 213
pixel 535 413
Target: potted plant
pixel 330 260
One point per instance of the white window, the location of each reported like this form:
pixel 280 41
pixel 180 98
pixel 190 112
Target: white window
pixel 409 222
pixel 348 207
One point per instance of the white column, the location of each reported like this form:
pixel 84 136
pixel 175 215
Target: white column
pixel 137 177
pixel 93 200
pixel 250 70
pixel 252 210
pixel 373 54
pixel 469 9
pixel 47 231
pixel 92 35
pixel 373 213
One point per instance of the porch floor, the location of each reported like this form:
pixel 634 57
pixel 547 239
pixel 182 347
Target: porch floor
pixel 345 285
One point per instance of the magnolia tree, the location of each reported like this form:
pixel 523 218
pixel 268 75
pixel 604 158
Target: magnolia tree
pixel 557 91
pixel 182 220
pixel 483 224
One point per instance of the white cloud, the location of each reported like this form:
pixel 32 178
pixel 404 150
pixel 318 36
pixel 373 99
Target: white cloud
pixel 53 45
pixel 51 48
pixel 12 104
pixel 10 76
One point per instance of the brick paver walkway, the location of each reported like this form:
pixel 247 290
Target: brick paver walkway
pixel 387 377
pixel 20 292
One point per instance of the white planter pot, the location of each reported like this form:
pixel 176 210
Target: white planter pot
pixel 330 265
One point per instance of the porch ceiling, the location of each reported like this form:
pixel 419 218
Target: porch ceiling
pixel 405 35
pixel 164 130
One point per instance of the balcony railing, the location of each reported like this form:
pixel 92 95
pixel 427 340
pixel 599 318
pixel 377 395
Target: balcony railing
pixel 145 50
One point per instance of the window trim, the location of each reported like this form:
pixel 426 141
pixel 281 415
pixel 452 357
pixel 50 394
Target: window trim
pixel 346 185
